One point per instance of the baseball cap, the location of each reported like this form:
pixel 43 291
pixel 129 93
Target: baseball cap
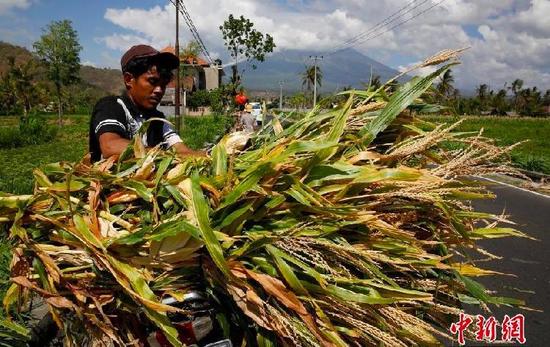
pixel 141 51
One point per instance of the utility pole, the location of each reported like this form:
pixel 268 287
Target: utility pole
pixel 315 59
pixel 281 95
pixel 178 86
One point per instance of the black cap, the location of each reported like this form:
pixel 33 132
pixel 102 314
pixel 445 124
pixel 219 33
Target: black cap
pixel 141 51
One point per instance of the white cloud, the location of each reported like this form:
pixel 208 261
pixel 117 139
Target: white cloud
pixel 513 38
pixel 88 63
pixel 534 19
pixel 7 5
pixel 121 42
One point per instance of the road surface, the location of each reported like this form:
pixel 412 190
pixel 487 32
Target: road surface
pixel 529 260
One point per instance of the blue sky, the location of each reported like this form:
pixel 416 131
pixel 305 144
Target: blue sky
pixel 87 16
pixel 508 38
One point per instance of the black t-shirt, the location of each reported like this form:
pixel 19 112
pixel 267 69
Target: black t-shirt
pixel 119 115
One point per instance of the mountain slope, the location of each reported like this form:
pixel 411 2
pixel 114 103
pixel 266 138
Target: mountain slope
pixel 106 80
pixel 345 68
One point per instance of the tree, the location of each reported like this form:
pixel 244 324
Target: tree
pixel 245 43
pixel 58 49
pixel 19 79
pixel 499 102
pixel 191 50
pixel 308 77
pixel 7 96
pixel 297 100
pixel 482 93
pixel 516 87
pixel 546 98
pixel 373 84
pixel 189 54
pixel 445 86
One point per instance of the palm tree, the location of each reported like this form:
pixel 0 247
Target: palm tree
pixel 375 82
pixel 308 77
pixel 516 87
pixel 499 102
pixel 482 94
pixel 445 86
pixel 546 98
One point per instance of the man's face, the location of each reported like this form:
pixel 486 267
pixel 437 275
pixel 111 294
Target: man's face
pixel 148 89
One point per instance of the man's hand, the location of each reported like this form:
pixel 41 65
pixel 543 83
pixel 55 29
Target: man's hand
pixel 184 151
pixel 112 144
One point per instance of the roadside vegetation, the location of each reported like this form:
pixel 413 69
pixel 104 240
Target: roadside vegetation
pixel 71 143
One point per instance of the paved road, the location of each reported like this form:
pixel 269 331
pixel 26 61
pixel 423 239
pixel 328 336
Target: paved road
pixel 529 260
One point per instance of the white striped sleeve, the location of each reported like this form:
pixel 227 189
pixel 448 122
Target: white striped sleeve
pixel 109 123
pixel 169 136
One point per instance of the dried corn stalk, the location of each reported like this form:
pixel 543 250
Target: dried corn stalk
pixel 342 228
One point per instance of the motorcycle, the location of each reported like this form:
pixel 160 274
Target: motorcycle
pixel 199 328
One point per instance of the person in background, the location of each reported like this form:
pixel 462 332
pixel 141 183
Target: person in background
pixel 117 119
pixel 241 100
pixel 247 119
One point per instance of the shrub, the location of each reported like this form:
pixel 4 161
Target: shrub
pixel 32 130
pixel 216 101
pixel 199 98
pixel 531 163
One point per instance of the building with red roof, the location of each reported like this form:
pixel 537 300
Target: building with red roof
pixel 198 75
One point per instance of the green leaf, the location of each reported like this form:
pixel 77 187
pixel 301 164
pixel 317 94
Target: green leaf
pixel 14 201
pixel 15 327
pixel 140 189
pixel 246 185
pixel 495 233
pixel 398 102
pixel 219 159
pixel 41 179
pixel 336 131
pixel 308 270
pixel 200 210
pixel 131 239
pixel 175 193
pixel 287 272
pixel 163 166
pixel 235 215
pixel 85 233
pixel 73 186
pixel 173 228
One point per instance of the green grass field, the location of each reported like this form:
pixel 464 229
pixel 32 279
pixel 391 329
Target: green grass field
pixel 71 144
pixel 533 155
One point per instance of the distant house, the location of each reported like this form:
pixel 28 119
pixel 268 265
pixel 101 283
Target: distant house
pixel 199 75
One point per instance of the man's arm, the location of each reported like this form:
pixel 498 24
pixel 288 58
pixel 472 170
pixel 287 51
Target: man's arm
pixel 112 144
pixel 172 140
pixel 184 151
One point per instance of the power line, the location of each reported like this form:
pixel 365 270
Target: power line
pixel 388 20
pixel 187 18
pixel 374 34
pixel 404 22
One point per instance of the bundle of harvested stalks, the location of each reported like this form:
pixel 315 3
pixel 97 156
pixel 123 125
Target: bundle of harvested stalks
pixel 342 228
